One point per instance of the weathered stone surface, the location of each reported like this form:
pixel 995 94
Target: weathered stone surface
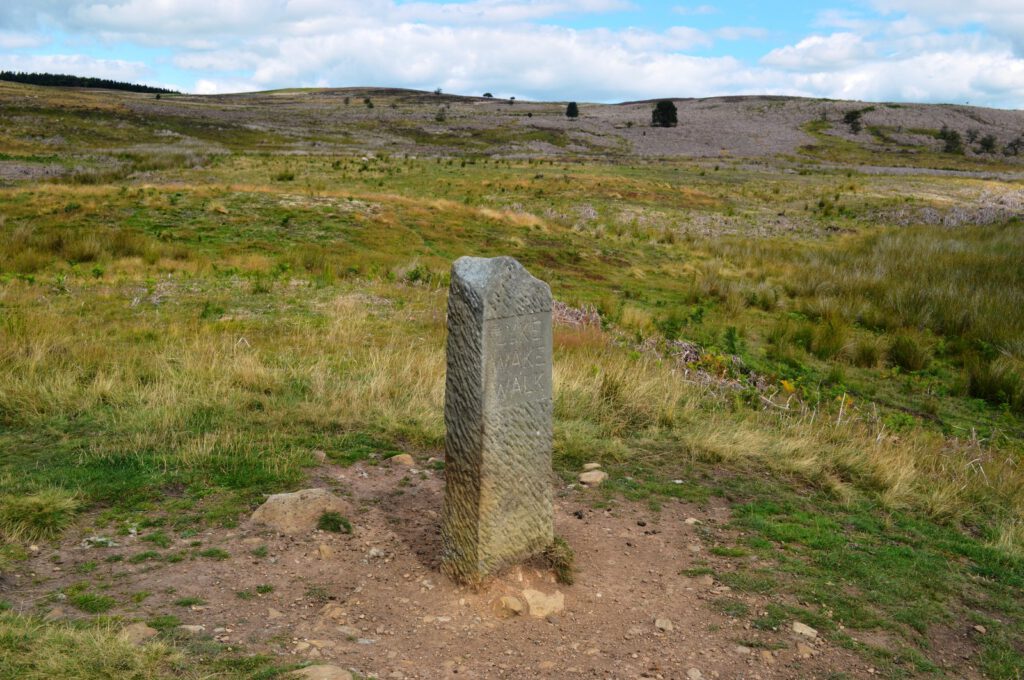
pixel 508 606
pixel 136 633
pixel 592 477
pixel 400 460
pixel 298 512
pixel 804 629
pixel 322 672
pixel 498 412
pixel 542 605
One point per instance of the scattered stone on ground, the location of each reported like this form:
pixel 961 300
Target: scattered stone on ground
pixel 403 459
pixel 298 512
pixel 591 466
pixel 980 629
pixel 664 624
pixel 593 478
pixel 322 672
pixel 804 629
pixel 509 606
pixel 542 605
pixel 804 651
pixel 192 629
pixel 136 633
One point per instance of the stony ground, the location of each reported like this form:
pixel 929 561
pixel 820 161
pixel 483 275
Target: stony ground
pixel 374 602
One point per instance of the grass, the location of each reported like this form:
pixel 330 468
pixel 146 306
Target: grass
pixel 334 522
pixel 36 516
pixel 206 330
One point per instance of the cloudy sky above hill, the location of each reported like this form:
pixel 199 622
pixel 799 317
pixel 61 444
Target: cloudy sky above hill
pixel 588 50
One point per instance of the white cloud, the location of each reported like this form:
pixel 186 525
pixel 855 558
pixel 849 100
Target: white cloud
pixel 931 50
pixel 820 52
pixel 12 40
pixel 699 10
pixel 1004 18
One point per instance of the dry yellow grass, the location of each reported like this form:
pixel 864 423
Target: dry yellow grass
pixel 362 362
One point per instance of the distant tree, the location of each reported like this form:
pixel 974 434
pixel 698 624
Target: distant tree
pixel 441 116
pixel 61 80
pixel 987 144
pixel 1014 147
pixel 347 100
pixel 511 101
pixel 488 95
pixel 572 111
pixel 952 141
pixel 437 91
pixel 664 114
pixel 368 102
pixel 852 118
pixel 972 135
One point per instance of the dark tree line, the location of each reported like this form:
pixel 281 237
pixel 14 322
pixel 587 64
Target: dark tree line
pixel 62 80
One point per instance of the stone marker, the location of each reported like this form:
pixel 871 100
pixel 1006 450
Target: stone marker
pixel 497 414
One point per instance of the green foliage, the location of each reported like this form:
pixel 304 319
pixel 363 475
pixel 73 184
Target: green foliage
pixel 215 554
pixel 987 144
pixel 1000 381
pixel 334 522
pixel 909 352
pixel 828 339
pixel 664 114
pixel 853 120
pixel 37 516
pixel 91 603
pixel 63 80
pixel 572 110
pixel 952 143
pixel 562 560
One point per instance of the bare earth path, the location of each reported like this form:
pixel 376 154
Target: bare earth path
pixel 375 603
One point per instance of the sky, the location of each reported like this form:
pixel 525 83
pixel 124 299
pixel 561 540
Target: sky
pixel 956 51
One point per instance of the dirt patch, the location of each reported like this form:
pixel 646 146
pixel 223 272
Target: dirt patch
pixel 374 600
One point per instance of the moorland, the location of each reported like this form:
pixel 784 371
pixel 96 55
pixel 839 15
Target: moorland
pixel 800 327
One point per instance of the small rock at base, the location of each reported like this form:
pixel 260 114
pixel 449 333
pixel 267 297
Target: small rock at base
pixel 690 521
pixel 694 674
pixel 298 512
pixel 980 629
pixel 322 672
pixel 54 614
pixel 592 478
pixel 136 633
pixel 742 649
pixel 804 629
pixel 804 651
pixel 325 551
pixel 542 605
pixel 402 459
pixel 591 466
pixel 508 606
pixel 194 630
pixel 767 656
pixel 664 624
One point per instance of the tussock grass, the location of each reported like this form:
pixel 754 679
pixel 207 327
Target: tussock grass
pixel 37 516
pixel 33 650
